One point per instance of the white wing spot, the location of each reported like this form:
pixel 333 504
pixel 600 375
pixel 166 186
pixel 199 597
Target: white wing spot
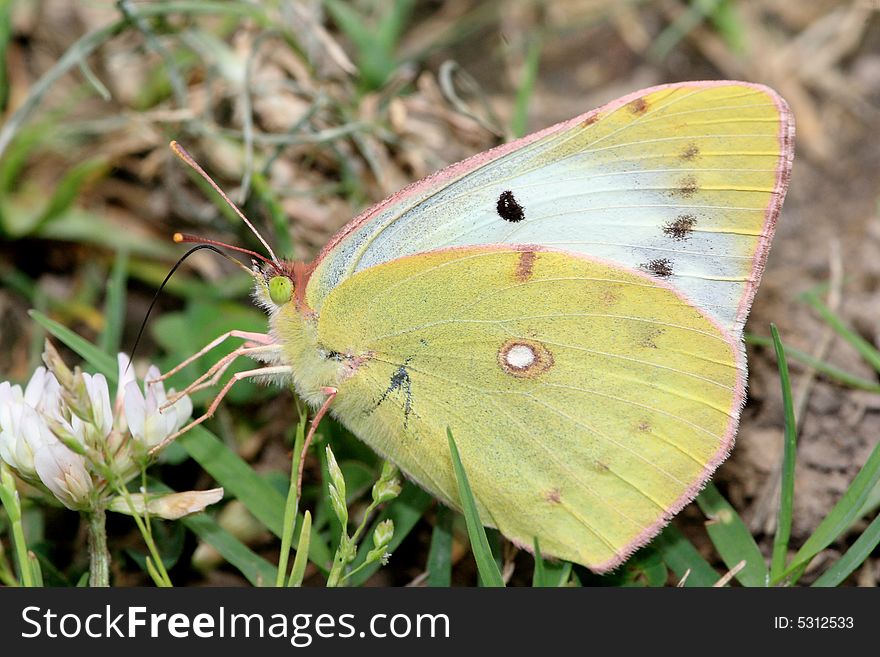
pixel 524 359
pixel 520 356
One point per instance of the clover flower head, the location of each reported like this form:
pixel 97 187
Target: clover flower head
pixel 63 434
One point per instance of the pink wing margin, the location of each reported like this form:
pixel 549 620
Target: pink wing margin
pixel 785 137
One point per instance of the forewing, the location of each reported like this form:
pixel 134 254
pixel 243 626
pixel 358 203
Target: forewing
pixel 682 181
pixel 589 402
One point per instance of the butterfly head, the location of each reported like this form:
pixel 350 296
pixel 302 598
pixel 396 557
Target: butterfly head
pixel 279 284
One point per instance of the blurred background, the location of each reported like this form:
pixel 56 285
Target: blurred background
pixel 307 112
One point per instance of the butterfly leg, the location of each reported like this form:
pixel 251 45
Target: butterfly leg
pixel 218 369
pixel 238 376
pixel 331 395
pixel 258 338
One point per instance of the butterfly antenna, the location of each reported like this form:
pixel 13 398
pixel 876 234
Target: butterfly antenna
pixel 195 239
pixel 180 152
pixel 168 278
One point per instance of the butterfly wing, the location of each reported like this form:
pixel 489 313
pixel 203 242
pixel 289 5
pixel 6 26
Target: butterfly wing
pixel 589 402
pixel 682 181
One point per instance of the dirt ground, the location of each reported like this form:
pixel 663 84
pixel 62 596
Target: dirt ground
pixel 823 56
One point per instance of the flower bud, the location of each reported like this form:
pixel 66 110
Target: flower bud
pixel 383 534
pixel 171 506
pixel 57 366
pixel 337 502
pixel 335 471
pixel 384 491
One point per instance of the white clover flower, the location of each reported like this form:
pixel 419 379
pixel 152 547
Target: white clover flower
pixel 22 429
pixel 126 376
pixel 148 425
pixel 28 445
pixel 99 396
pixel 64 473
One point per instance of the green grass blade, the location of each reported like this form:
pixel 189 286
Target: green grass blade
pixel 731 538
pixel 257 570
pixel 405 511
pixel 5 38
pixel 539 576
pixel 80 50
pixel 682 558
pixel 686 21
pixel 10 501
pixel 36 570
pixel 834 373
pixel 518 124
pixel 486 565
pixel 291 504
pixel 237 477
pixel 866 349
pixel 789 455
pixel 840 518
pixel 302 549
pixel 114 306
pixel 558 573
pixel 101 362
pixel 853 557
pixel 440 553
pixel 549 573
pixel 68 190
pixel 282 245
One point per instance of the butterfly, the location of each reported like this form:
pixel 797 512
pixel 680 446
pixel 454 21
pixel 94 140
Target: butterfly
pixel 569 305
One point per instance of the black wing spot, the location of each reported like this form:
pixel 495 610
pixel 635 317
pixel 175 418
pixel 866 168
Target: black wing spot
pixel 399 381
pixel 681 227
pixel 661 267
pixel 509 208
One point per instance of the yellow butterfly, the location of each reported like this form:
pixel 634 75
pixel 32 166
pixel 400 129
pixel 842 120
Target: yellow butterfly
pixel 570 305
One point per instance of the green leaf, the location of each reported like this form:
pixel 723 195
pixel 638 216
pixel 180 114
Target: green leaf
pixel 440 553
pixel 786 498
pixel 646 568
pixel 257 570
pixel 683 558
pixel 731 538
pixel 486 565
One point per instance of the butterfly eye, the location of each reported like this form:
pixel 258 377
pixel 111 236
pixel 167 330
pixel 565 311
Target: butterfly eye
pixel 280 290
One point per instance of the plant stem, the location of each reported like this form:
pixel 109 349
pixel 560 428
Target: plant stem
pixel 340 561
pixel 10 501
pixel 99 558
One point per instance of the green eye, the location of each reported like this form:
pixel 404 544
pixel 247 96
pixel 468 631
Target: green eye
pixel 280 289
